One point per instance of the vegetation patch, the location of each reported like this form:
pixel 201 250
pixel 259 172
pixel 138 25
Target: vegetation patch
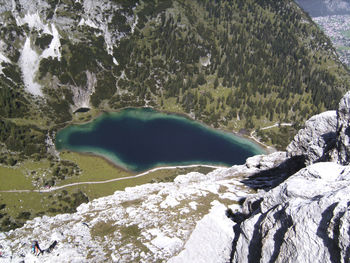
pixel 20 207
pixel 102 229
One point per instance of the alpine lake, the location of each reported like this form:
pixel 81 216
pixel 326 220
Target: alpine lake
pixel 139 139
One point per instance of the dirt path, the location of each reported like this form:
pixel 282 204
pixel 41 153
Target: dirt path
pixel 55 188
pixel 276 125
pixel 266 128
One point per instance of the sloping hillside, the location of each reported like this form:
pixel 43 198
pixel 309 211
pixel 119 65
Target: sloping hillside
pixel 232 65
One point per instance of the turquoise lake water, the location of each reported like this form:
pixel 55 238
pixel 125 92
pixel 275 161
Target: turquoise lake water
pixel 141 139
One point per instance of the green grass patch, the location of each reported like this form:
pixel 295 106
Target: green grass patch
pixel 99 190
pixel 20 177
pixel 13 179
pixel 94 168
pixel 20 207
pixel 102 229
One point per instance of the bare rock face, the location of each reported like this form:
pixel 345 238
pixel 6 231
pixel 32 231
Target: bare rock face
pixel 266 161
pixel 81 95
pixel 343 130
pixel 305 219
pixel 326 136
pixel 317 139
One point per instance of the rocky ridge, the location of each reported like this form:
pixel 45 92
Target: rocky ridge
pixel 147 223
pixel 305 218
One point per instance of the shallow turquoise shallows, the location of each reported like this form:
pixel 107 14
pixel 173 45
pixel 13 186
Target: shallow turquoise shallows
pixel 140 139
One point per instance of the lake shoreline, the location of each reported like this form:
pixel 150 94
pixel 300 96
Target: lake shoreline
pixel 160 167
pixel 264 148
pixel 138 139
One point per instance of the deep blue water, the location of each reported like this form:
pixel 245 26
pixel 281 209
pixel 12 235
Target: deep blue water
pixel 140 139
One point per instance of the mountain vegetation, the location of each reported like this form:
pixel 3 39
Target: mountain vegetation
pixel 236 65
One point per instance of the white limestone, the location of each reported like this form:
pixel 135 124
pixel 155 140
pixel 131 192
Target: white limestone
pixel 29 63
pixel 316 139
pixel 292 222
pixel 211 240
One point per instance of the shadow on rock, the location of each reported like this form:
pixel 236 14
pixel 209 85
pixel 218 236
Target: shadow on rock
pixel 270 178
pixel 323 231
pixel 51 247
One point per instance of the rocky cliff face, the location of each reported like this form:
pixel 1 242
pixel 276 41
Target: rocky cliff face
pixel 316 141
pixel 343 130
pixel 305 218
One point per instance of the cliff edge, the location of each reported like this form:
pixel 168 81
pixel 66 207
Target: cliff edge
pixel 306 217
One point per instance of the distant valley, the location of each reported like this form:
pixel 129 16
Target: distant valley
pixel 325 7
pixel 334 19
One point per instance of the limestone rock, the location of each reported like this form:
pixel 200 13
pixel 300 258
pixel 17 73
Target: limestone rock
pixel 210 241
pixel 81 95
pixel 343 140
pixel 305 219
pixel 266 161
pixel 316 140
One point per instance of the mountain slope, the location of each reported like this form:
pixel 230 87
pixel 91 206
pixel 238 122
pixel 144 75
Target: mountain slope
pixel 211 63
pixel 235 65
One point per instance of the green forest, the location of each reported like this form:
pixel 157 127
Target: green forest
pixel 237 65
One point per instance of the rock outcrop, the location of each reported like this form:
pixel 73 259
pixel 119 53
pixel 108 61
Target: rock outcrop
pixel 317 139
pixel 343 130
pixel 326 136
pixel 81 95
pixel 306 217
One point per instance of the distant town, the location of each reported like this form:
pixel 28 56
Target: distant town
pixel 337 27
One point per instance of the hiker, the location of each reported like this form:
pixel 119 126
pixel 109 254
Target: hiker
pixel 36 248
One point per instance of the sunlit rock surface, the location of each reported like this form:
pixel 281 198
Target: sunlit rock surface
pixel 343 130
pixel 316 139
pixel 305 219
